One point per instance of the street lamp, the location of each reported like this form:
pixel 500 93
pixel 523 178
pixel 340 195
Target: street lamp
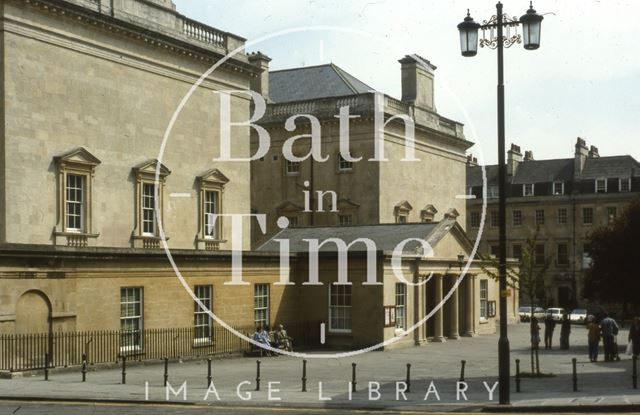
pixel 469 46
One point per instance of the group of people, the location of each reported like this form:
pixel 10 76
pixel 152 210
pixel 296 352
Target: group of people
pixel 277 338
pixel 549 327
pixel 606 329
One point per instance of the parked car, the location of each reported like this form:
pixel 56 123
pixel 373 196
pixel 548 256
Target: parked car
pixel 556 313
pixel 578 316
pixel 524 313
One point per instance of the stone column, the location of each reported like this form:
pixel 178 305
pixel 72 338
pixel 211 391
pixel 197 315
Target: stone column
pixel 419 309
pixel 439 332
pixel 469 305
pixel 453 307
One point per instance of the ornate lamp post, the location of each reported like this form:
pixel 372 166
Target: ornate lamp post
pixel 469 46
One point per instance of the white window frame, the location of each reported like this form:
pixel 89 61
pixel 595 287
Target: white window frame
pixel 520 216
pixel 345 219
pixel 401 306
pixel 561 192
pixel 628 181
pixel 524 190
pixel 347 316
pixel 75 201
pixel 125 294
pixel 261 304
pixel 484 299
pixel 291 168
pixel 201 317
pixel 539 219
pixel 566 216
pixel 210 208
pixel 344 165
pixel 601 179
pixel 148 205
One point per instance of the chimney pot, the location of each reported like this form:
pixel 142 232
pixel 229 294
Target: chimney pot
pixel 528 155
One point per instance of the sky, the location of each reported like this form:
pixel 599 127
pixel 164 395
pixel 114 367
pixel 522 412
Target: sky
pixel 584 81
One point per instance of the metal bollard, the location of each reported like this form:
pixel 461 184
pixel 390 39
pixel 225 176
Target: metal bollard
pixel 353 377
pixel 304 375
pixel 209 379
pixel 46 366
pixel 124 369
pixel 634 375
pixel 537 362
pixel 84 367
pixel 257 375
pixel 517 375
pixel 575 374
pixel 462 363
pixel 166 370
pixel 408 380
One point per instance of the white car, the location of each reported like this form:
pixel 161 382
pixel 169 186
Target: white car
pixel 556 313
pixel 525 313
pixel 578 316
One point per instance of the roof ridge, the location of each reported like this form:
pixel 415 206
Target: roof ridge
pixel 341 73
pixel 300 68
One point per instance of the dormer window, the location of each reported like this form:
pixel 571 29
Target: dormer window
pixel 601 185
pixel 528 189
pixel 75 177
pixel 492 192
pixel 401 211
pixel 428 213
pixel 558 188
pixel 625 184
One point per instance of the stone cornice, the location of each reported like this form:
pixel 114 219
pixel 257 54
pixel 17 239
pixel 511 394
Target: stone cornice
pixel 154 38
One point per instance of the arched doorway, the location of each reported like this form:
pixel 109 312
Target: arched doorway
pixel 34 322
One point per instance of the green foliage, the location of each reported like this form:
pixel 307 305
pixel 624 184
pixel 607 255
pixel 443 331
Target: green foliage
pixel 613 274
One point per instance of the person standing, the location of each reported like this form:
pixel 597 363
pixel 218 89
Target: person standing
pixel 593 336
pixel 535 333
pixel 609 329
pixel 634 336
pixel 565 331
pixel 549 326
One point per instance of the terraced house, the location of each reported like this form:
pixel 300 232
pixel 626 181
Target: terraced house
pixel 564 198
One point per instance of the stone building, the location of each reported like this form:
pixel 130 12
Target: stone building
pixel 87 93
pixel 392 190
pixel 564 198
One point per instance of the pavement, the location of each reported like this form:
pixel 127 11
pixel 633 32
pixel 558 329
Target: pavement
pixel 435 372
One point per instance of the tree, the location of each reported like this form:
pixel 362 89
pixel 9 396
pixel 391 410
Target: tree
pixel 529 279
pixel 615 260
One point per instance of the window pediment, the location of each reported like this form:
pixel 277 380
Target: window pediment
pixel 403 207
pixel 148 169
pixel 213 177
pixel 78 157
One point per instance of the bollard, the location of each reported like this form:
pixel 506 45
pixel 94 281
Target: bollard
pixel 124 369
pixel 257 375
pixel 166 370
pixel 634 375
pixel 304 375
pixel 209 379
pixel 517 375
pixel 84 367
pixel 537 362
pixel 575 375
pixel 353 377
pixel 462 363
pixel 408 380
pixel 46 366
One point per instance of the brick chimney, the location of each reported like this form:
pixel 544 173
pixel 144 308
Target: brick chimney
pixel 514 158
pixel 580 156
pixel 593 152
pixel 528 155
pixel 261 83
pixel 417 81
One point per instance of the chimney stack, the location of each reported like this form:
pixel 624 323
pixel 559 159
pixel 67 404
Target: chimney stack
pixel 261 83
pixel 514 158
pixel 528 155
pixel 417 81
pixel 580 157
pixel 471 161
pixel 593 152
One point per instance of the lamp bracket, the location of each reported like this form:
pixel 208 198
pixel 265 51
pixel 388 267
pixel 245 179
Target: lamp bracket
pixel 490 39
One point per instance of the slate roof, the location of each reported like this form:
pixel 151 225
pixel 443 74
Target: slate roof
pixel 385 236
pixel 474 175
pixel 615 166
pixel 313 82
pixel 544 171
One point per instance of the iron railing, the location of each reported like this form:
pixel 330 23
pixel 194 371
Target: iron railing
pixel 23 352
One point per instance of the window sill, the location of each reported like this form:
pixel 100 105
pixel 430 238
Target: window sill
pixel 207 244
pixel 147 241
pixel 203 343
pixel 75 239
